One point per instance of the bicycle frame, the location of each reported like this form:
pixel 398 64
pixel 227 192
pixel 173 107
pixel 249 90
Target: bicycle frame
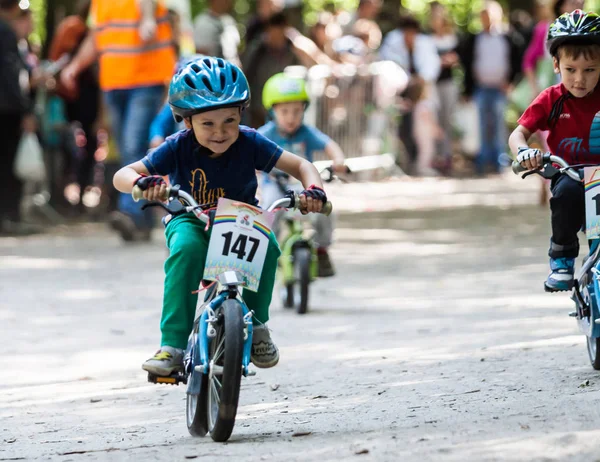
pixel 204 331
pixel 293 240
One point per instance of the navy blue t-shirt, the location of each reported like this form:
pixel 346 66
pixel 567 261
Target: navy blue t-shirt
pixel 231 175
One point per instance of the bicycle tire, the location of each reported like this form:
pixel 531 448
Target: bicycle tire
pixel 196 406
pixel 302 261
pixel 230 333
pixel 593 348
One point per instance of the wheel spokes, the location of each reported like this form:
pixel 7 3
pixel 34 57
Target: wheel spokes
pixel 216 391
pixel 219 350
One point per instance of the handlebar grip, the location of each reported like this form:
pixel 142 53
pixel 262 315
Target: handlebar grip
pixel 327 208
pixel 137 193
pixel 517 168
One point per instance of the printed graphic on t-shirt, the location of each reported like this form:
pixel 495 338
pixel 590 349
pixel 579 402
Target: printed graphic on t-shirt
pixel 575 146
pixel 201 191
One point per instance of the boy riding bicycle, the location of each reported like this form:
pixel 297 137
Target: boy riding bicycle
pixel 570 112
pixel 286 100
pixel 214 157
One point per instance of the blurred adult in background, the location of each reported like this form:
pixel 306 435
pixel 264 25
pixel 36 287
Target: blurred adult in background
pixel 367 9
pixel 536 52
pixel 81 102
pixel 446 42
pixel 257 23
pixel 360 45
pixel 15 112
pixel 491 62
pixel 216 33
pixel 417 54
pixel 265 57
pixel 135 42
pixel 324 32
pixel 24 27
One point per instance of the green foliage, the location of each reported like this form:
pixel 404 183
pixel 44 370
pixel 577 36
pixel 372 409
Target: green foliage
pixel 463 11
pixel 38 7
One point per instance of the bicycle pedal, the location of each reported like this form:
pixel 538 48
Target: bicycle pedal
pixel 173 379
pixel 573 314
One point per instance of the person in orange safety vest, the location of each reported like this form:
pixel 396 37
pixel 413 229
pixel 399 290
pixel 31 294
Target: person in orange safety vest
pixel 133 41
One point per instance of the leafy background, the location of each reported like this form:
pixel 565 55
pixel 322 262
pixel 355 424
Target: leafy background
pixel 464 11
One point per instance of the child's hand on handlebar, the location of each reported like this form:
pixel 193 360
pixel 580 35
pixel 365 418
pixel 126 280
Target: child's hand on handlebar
pixel 530 158
pixel 154 187
pixel 312 200
pixel 339 167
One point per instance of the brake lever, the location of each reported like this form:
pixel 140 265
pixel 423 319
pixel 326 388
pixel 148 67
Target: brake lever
pixel 176 208
pixel 532 172
pixel 547 171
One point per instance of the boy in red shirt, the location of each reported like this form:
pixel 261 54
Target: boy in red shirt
pixel 570 111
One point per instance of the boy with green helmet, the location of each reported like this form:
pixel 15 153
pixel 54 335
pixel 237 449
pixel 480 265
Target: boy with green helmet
pixel 286 99
pixel 570 111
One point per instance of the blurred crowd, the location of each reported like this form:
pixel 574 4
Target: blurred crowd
pixel 90 111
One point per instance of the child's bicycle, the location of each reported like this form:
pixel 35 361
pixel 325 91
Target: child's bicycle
pixel 586 289
pixel 218 351
pixel 299 261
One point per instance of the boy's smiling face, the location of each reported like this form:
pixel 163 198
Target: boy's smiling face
pixel 217 130
pixel 579 75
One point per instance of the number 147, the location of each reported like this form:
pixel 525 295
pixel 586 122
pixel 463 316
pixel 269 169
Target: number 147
pixel 239 246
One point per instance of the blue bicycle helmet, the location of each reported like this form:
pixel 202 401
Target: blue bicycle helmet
pixel 205 85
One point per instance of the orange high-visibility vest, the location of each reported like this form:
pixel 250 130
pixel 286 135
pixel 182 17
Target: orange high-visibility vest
pixel 125 60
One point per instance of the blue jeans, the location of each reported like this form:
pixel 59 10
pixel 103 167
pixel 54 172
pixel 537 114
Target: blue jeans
pixel 491 104
pixel 131 112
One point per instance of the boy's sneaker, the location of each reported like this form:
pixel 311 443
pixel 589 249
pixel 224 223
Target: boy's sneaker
pixel 325 266
pixel 264 353
pixel 166 361
pixel 561 275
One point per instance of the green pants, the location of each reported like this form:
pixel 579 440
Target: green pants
pixel 188 245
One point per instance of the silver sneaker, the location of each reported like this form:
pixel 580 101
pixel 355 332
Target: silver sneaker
pixel 264 352
pixel 166 361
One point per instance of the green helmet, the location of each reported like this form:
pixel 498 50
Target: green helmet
pixel 575 27
pixel 282 88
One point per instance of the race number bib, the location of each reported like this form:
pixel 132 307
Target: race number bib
pixel 592 202
pixel 239 241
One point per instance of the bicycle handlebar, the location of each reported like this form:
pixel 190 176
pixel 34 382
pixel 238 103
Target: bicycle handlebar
pixel 137 193
pixel 548 158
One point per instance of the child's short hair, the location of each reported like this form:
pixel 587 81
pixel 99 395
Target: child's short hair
pixel 575 50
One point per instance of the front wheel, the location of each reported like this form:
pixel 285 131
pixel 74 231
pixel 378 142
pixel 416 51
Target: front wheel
pixel 225 358
pixel 302 262
pixel 593 347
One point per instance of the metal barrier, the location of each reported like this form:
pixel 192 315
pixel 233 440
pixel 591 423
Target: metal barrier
pixel 355 106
